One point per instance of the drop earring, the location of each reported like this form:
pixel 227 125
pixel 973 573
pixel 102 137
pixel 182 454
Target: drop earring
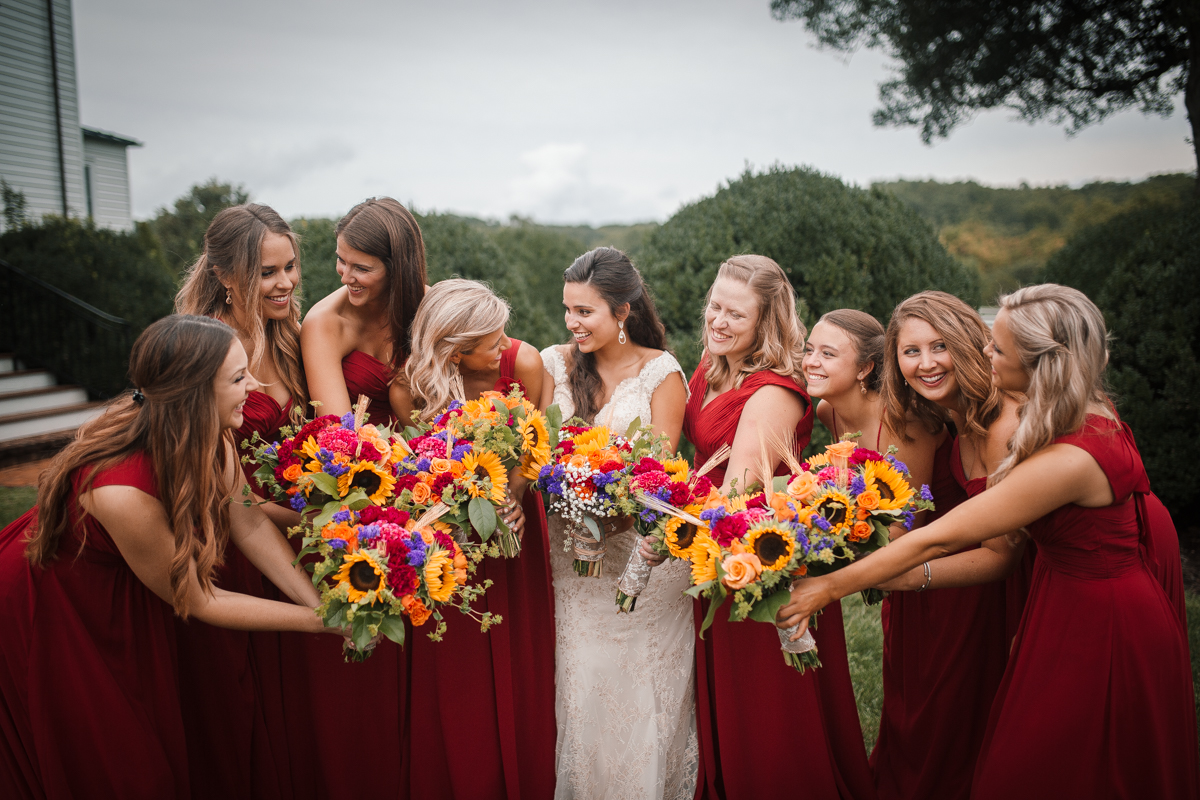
pixel 621 336
pixel 228 296
pixel 862 386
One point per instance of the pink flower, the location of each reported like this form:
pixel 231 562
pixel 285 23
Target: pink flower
pixel 729 528
pixel 647 464
pixel 338 440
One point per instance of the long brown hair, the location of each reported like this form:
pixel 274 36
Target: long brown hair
pixel 383 228
pixel 233 252
pixel 779 342
pixel 965 335
pixel 617 281
pixel 174 364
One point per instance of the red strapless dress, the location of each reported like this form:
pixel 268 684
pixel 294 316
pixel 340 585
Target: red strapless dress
pixel 482 724
pixel 764 729
pixel 89 705
pixel 1097 698
pixel 943 656
pixel 329 703
pixel 367 375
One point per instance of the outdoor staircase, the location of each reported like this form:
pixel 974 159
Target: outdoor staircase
pixel 37 416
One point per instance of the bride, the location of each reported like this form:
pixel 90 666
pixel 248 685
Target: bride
pixel 624 689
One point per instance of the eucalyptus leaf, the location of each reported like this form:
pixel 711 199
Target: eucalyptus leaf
pixel 593 527
pixel 880 537
pixel 323 519
pixel 336 617
pixel 410 432
pixel 633 427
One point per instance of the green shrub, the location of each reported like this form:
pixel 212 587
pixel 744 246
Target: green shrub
pixel 1140 268
pixel 842 247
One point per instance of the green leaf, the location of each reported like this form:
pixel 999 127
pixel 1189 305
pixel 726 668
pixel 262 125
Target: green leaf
pixel 410 432
pixel 880 536
pixel 325 482
pixel 593 527
pixel 336 616
pixel 780 482
pixel 357 500
pixel 393 628
pixel 358 631
pixel 483 517
pixel 765 609
pixel 303 552
pixel 323 519
pixel 500 407
pixel 554 417
pixel 714 603
pixel 633 427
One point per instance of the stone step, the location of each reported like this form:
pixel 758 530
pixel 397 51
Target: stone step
pixel 24 379
pixel 51 420
pixel 41 399
pixel 33 448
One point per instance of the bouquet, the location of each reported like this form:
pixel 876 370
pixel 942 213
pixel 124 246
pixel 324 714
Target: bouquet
pixel 587 478
pixel 376 563
pixel 459 464
pixel 828 512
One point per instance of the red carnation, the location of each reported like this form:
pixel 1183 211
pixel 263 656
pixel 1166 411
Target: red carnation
pixel 861 455
pixel 679 493
pixel 566 447
pixel 702 488
pixel 368 452
pixel 312 428
pixel 729 528
pixel 444 540
pixel 647 464
pixel 441 482
pixel 612 465
pixel 405 482
pixel 758 501
pixel 395 516
pixel 369 514
pixel 402 578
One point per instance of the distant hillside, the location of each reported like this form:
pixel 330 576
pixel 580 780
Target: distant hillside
pixel 1009 234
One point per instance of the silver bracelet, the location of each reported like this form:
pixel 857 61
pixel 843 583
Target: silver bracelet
pixel 928 578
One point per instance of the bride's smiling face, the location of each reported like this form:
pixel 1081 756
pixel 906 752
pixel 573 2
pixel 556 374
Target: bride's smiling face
pixel 588 317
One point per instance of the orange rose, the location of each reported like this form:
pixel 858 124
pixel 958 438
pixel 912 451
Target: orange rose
pixel 783 511
pixel 439 466
pixel 800 571
pixel 293 473
pixel 741 569
pixel 460 560
pixel 860 532
pixel 802 486
pixel 456 469
pixel 578 461
pixel 427 535
pixel 839 453
pixel 421 493
pixel 868 499
pixel 862 513
pixel 415 609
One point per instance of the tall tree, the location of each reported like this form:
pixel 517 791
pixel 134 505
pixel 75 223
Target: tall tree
pixel 1073 62
pixel 181 228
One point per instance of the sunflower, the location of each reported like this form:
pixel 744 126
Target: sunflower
pixel 592 439
pixel 481 409
pixel 377 483
pixel 834 505
pixel 773 544
pixel 534 434
pixel 680 535
pixel 677 468
pixel 819 460
pixel 894 491
pixel 361 575
pixel 705 555
pixel 485 466
pixel 439 576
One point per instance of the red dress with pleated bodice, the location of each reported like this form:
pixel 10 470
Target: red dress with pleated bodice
pixel 89 701
pixel 1097 698
pixel 367 375
pixel 764 729
pixel 481 711
pixel 943 656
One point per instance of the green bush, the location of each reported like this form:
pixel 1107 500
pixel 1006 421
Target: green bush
pixel 121 273
pixel 1140 268
pixel 842 247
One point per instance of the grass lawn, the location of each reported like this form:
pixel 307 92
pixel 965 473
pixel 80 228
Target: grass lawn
pixel 15 501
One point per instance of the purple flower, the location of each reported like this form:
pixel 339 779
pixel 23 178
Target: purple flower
pixel 908 519
pixel 821 522
pixel 925 493
pixel 416 551
pixel 367 532
pixel 857 486
pixel 713 515
pixel 297 502
pixel 342 516
pixel 455 405
pixel 459 451
pixel 336 544
pixel 325 455
pixel 897 463
pixel 336 470
pixel 602 479
pixel 649 516
pixel 348 420
pixel 423 465
pixel 272 449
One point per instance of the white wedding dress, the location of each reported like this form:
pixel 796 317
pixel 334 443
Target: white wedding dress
pixel 624 682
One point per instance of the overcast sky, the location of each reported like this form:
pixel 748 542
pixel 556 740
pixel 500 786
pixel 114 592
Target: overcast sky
pixel 593 112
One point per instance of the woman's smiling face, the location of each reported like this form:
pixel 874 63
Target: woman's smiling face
pixel 363 275
pixel 830 361
pixel 731 320
pixel 926 363
pixel 588 317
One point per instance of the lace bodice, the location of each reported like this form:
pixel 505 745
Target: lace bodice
pixel 629 401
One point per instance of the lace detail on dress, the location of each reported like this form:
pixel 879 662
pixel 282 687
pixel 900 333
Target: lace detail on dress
pixel 624 682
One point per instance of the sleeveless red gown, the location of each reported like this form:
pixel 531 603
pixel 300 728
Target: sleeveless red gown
pixel 89 705
pixel 943 656
pixel 329 703
pixel 482 724
pixel 764 729
pixel 1097 698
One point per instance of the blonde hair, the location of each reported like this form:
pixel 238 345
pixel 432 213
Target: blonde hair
pixel 966 335
pixel 453 318
pixel 233 252
pixel 779 342
pixel 1060 338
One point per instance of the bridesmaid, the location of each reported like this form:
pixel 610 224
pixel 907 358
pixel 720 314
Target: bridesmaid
pixel 133 518
pixel 484 724
pixel 247 277
pixel 356 339
pixel 944 639
pixel 1096 700
pixel 353 342
pixel 748 384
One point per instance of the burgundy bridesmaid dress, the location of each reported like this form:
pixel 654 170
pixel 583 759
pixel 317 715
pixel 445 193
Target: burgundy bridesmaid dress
pixel 481 706
pixel 330 705
pixel 89 705
pixel 1097 698
pixel 943 656
pixel 764 729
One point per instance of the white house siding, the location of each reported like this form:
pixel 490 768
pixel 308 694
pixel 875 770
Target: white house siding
pixel 28 156
pixel 109 173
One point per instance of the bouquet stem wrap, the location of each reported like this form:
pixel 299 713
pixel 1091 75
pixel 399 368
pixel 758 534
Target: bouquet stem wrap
pixel 589 553
pixel 801 653
pixel 633 580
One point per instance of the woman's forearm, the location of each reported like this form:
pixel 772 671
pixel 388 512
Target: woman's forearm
pixel 224 609
pixel 266 549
